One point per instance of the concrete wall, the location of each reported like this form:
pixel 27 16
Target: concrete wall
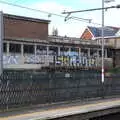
pixel 110 42
pixel 27 61
pixel 117 43
pixel 108 62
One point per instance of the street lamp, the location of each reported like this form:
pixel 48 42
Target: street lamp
pixel 103 1
pixel 102 41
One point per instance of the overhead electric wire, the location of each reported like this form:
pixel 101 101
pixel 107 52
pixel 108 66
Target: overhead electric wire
pixel 49 13
pixel 16 1
pixel 94 9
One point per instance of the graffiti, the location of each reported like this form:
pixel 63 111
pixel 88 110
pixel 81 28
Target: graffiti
pixel 76 60
pixel 38 59
pixel 12 59
pixel 72 59
pixel 33 59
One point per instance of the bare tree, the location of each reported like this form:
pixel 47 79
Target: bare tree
pixel 55 31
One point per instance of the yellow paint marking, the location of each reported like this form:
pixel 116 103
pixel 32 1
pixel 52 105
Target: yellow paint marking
pixel 65 109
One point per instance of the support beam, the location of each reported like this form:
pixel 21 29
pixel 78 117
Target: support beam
pixel 35 49
pixel 47 50
pixel 69 49
pixel 8 46
pixel 58 51
pixel 1 42
pixel 97 58
pixel 79 52
pixel 22 51
pixel 88 52
pixel 105 53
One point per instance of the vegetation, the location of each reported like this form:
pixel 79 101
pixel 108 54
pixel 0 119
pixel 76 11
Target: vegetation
pixel 114 70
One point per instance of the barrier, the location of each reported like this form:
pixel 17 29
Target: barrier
pixel 23 88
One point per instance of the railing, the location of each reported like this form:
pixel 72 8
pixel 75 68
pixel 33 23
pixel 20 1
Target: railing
pixel 60 39
pixel 23 88
pixel 68 40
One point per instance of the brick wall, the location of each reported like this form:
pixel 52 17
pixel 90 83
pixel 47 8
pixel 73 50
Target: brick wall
pixel 86 35
pixel 20 28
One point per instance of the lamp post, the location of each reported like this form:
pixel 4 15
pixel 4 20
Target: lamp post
pixel 102 34
pixel 102 41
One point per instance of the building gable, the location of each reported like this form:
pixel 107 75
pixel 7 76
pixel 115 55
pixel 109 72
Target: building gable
pixel 87 35
pixel 96 32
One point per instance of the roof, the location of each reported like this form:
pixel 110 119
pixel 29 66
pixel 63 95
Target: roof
pixel 25 18
pixel 108 31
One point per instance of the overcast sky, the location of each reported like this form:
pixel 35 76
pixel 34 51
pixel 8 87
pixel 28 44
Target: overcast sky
pixel 71 28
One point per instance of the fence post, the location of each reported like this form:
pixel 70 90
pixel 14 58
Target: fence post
pixel 1 42
pixel 7 107
pixel 30 90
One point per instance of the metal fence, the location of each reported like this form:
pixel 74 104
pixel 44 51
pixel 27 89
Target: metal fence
pixel 22 88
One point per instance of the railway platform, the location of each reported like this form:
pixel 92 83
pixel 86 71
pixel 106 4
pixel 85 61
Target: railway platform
pixel 86 110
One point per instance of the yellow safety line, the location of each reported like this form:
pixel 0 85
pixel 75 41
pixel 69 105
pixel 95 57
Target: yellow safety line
pixel 63 109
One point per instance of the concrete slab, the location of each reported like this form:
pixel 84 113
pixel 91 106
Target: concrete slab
pixel 62 110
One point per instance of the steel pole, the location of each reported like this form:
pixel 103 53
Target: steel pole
pixel 102 72
pixel 1 42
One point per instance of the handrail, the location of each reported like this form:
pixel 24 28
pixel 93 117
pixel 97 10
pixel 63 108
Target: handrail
pixel 68 40
pixel 60 39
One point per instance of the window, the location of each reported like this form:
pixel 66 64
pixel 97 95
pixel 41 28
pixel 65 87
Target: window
pixel 29 49
pixel 4 47
pixel 41 50
pixel 85 51
pixel 100 53
pixel 93 52
pixel 74 49
pixel 109 53
pixel 53 50
pixel 15 48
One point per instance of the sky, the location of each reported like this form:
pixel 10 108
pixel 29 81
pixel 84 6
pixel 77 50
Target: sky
pixel 70 28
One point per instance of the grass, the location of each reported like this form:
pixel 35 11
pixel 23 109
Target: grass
pixel 114 70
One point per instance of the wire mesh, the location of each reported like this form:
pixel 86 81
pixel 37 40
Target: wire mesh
pixel 22 88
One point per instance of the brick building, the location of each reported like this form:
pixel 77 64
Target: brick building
pixel 96 32
pixel 25 27
pixel 21 35
pixel 27 45
pixel 111 37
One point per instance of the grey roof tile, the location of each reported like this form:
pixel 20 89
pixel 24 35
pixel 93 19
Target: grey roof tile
pixel 108 31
